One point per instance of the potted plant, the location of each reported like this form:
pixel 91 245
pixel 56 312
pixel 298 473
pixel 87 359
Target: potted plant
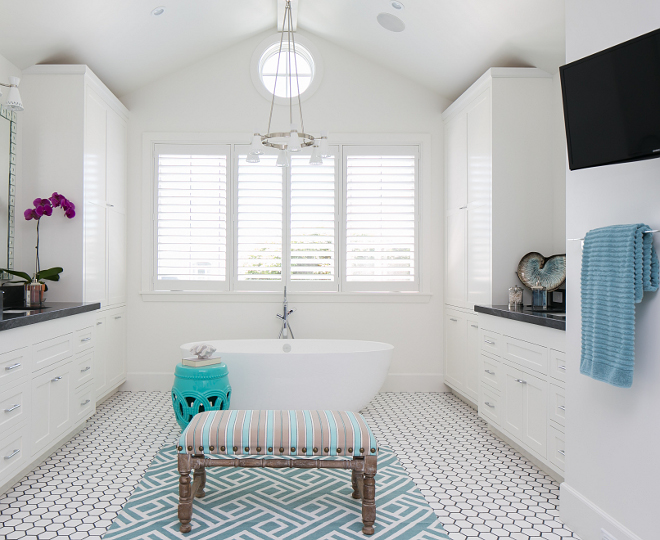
pixel 35 286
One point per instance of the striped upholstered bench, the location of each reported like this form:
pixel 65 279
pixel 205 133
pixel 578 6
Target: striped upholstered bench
pixel 278 439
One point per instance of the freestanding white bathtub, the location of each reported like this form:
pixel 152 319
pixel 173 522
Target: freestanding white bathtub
pixel 302 373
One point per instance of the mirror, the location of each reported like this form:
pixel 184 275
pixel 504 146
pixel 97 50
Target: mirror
pixel 7 187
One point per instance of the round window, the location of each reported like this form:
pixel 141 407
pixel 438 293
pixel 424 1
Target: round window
pixel 277 70
pixel 268 62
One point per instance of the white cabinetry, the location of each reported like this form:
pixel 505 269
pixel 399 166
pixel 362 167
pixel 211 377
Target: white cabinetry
pixel 462 352
pixel 48 383
pixel 75 143
pixel 497 136
pixel 519 394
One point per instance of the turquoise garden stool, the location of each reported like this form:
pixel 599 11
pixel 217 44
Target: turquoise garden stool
pixel 199 389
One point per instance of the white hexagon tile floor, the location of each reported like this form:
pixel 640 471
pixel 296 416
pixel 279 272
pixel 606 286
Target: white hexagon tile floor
pixel 477 485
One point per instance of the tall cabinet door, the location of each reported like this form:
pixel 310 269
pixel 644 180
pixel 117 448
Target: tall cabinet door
pixel 457 168
pixel 455 336
pixel 116 360
pixel 479 189
pixel 116 257
pixel 95 148
pixel 95 268
pixel 116 170
pixel 472 358
pixel 455 289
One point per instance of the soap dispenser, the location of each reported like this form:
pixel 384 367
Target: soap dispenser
pixel 539 296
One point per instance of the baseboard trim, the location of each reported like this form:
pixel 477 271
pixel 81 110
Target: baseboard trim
pixel 586 519
pixel 395 382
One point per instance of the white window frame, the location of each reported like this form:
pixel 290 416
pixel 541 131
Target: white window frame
pixel 427 170
pixel 379 286
pixel 190 285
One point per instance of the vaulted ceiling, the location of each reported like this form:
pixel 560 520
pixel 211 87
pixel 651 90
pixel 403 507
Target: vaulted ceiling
pixel 445 46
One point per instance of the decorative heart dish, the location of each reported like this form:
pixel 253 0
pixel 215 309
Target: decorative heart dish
pixel 534 268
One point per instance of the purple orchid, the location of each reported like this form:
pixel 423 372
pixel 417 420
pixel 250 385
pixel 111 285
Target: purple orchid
pixel 44 207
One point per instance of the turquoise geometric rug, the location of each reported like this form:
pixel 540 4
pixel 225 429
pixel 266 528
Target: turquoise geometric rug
pixel 275 504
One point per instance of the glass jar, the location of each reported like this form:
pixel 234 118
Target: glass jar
pixel 34 293
pixel 515 297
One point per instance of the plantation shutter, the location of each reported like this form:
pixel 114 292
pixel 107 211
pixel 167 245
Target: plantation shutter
pixel 191 217
pixel 259 224
pixel 313 224
pixel 381 218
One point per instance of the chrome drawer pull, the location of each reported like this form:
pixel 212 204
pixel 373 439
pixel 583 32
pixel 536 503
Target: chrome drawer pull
pixel 86 339
pixel 474 326
pixel 563 368
pixel 9 368
pixel 489 342
pixel 13 407
pixel 462 207
pixel 561 407
pixel 491 406
pixel 99 323
pixel 118 317
pixel 489 372
pixel 86 369
pixel 454 320
pixel 12 454
pixel 85 402
pixel 56 379
pixel 521 381
pixel 562 452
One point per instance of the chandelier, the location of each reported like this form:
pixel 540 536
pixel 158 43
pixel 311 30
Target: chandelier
pixel 294 140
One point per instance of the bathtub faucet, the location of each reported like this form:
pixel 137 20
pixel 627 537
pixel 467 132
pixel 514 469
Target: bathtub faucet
pixel 286 327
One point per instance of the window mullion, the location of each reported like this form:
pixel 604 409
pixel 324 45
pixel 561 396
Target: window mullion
pixel 286 225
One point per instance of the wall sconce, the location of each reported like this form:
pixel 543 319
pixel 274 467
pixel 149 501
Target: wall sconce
pixel 13 97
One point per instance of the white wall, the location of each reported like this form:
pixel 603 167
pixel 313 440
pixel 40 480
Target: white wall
pixel 356 96
pixel 612 434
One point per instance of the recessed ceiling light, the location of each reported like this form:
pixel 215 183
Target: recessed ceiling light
pixel 158 11
pixel 397 5
pixel 391 22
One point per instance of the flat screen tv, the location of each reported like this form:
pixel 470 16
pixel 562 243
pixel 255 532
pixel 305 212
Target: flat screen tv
pixel 612 104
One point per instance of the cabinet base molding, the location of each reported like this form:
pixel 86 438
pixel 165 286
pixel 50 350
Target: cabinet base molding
pixel 528 455
pixel 465 399
pixel 586 519
pixel 56 445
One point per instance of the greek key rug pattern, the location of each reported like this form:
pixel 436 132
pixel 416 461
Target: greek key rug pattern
pixel 282 504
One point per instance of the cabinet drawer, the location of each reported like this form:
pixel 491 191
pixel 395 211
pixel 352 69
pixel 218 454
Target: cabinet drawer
pixel 83 368
pixel 491 372
pixel 53 350
pixel 14 405
pixel 525 354
pixel 489 404
pixel 84 339
pixel 14 366
pixel 490 342
pixel 557 406
pixel 558 365
pixel 13 453
pixel 83 404
pixel 556 447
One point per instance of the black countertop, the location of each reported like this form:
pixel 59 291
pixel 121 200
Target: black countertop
pixel 13 318
pixel 548 319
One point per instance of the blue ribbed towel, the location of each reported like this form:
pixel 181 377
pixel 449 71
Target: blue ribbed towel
pixel 619 263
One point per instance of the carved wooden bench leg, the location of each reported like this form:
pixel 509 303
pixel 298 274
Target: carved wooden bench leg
pixel 356 481
pixel 185 493
pixel 199 479
pixel 369 494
